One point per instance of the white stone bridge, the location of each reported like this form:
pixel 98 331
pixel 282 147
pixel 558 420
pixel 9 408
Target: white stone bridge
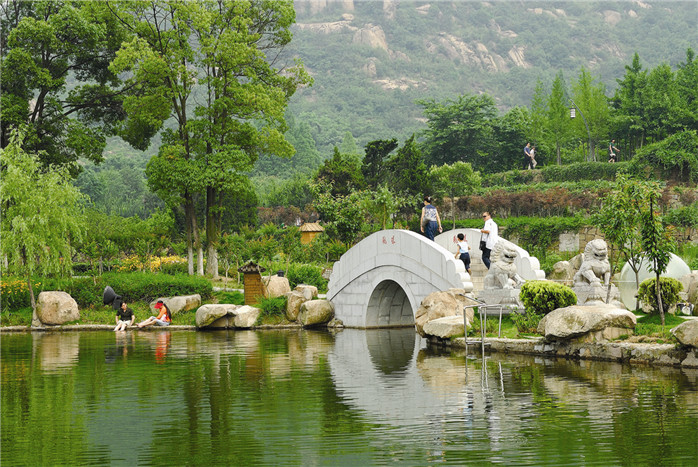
pixel 381 281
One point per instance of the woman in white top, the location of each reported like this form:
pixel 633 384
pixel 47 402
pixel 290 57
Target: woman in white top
pixel 490 235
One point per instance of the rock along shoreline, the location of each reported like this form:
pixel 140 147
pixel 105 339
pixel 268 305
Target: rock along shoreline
pixel 621 352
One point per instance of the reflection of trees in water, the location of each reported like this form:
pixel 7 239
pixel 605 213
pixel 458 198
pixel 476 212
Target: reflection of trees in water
pixel 391 350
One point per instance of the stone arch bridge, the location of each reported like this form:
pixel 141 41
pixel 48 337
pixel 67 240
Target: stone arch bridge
pixel 381 281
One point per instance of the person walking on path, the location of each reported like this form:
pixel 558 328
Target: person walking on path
pixel 430 220
pixel 463 254
pixel 612 149
pixel 124 317
pixel 533 157
pixel 528 163
pixel 490 235
pixel 164 318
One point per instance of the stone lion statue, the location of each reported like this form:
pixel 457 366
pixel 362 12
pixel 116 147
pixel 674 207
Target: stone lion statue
pixel 502 273
pixel 595 269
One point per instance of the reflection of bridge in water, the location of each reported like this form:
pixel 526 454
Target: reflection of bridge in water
pixel 381 281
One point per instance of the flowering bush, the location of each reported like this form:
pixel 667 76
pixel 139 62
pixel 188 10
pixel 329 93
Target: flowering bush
pixel 135 263
pixel 14 293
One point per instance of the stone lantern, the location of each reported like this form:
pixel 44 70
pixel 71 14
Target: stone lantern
pixel 252 279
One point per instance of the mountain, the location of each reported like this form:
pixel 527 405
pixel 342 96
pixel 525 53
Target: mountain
pixel 373 60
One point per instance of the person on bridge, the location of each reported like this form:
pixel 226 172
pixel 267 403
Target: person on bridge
pixel 463 254
pixel 490 235
pixel 430 219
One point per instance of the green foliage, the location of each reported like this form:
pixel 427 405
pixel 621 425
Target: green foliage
pixel 56 81
pixel 675 157
pixel 546 296
pixel 454 180
pixel 557 173
pixel 234 297
pixel 537 234
pixel 272 307
pixel 341 173
pixel 670 289
pixel 459 129
pixel 308 274
pixel 526 322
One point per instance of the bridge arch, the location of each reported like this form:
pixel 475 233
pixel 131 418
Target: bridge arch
pixel 381 281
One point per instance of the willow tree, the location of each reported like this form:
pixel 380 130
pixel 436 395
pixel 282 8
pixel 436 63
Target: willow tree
pixel 225 53
pixel 41 216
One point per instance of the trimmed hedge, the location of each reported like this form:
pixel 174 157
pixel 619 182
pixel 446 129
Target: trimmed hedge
pixel 557 173
pixel 546 296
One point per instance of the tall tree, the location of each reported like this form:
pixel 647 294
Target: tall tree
pixel 459 130
pixel 558 124
pixel 628 115
pixel 41 216
pixel 590 98
pixel 454 180
pixel 374 157
pixel 408 172
pixel 226 51
pixel 657 244
pixel 687 88
pixel 56 79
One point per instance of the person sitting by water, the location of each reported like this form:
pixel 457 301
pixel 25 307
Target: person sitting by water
pixel 164 318
pixel 124 317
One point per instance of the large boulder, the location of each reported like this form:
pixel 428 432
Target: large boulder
pixel 276 286
pixel 314 312
pixel 55 308
pixel 587 323
pixel 215 316
pixel 294 300
pixel 308 291
pixel 440 305
pixel 245 316
pixel 445 328
pixel 178 304
pixel 687 332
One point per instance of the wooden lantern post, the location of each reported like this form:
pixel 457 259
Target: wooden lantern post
pixel 252 279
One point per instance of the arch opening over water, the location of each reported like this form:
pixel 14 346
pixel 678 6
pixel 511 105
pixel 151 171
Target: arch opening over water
pixel 389 306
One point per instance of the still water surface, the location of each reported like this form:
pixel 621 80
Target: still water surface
pixel 373 397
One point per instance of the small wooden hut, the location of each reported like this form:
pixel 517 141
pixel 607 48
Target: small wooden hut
pixel 252 280
pixel 309 231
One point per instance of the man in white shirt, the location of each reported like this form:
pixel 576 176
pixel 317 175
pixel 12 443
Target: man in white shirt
pixel 490 235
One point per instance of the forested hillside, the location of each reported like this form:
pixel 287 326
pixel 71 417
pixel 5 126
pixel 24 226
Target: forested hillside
pixel 372 60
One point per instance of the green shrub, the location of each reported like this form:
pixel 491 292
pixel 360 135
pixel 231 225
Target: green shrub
pixel 670 289
pixel 306 274
pixel 527 322
pixel 272 306
pixel 234 297
pixel 546 296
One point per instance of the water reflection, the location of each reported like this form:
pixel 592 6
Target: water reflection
pixel 57 351
pixel 308 397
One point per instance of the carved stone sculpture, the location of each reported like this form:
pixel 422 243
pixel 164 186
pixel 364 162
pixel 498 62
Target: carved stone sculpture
pixel 592 280
pixel 502 273
pixel 595 269
pixel 502 283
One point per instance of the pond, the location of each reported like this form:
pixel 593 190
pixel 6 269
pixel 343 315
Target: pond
pixel 373 397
